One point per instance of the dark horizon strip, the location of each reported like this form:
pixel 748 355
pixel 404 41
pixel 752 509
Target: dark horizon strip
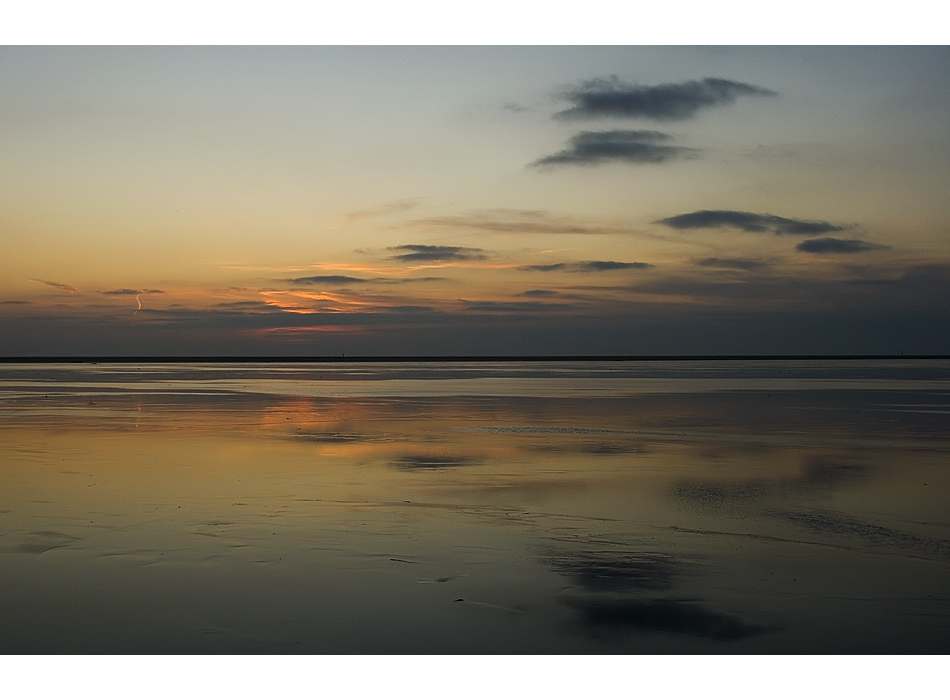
pixel 283 359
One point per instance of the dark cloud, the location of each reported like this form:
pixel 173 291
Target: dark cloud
pixel 326 279
pixel 610 97
pixel 605 265
pixel 405 280
pixel 676 616
pixel 433 253
pixel 747 221
pixel 731 263
pixel 751 313
pixel 908 316
pixel 513 306
pixel 593 147
pixel 586 266
pixel 543 268
pixel 245 305
pixel 912 288
pixel 871 282
pixel 346 279
pixel 529 293
pixel 59 285
pixel 15 301
pixel 837 245
pixel 411 309
pixel 132 292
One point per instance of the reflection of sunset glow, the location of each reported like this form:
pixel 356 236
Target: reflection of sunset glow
pixel 184 496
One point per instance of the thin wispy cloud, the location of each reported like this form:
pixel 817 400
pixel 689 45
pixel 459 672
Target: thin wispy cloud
pixel 516 221
pixel 58 285
pixel 731 263
pixel 396 207
pixel 613 98
pixel 838 245
pixel 586 266
pixel 749 222
pixel 436 253
pixel 625 146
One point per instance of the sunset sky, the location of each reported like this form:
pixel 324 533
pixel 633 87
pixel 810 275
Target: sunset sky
pixel 474 200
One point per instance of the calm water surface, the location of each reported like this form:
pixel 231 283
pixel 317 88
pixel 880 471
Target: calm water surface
pixel 546 507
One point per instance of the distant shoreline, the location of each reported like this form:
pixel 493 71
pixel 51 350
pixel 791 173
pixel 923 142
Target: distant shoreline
pixel 200 359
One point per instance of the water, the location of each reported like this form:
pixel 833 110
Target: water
pixel 540 507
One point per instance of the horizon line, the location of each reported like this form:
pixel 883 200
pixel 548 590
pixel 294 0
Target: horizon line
pixel 196 359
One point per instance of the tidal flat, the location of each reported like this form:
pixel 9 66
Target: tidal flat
pixel 703 506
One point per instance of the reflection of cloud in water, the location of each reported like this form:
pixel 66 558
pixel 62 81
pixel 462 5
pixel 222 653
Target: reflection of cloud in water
pixel 591 448
pixel 618 571
pixel 722 495
pixel 603 573
pixel 607 448
pixel 46 540
pixel 825 473
pixel 339 438
pixel 663 615
pixel 829 522
pixel 817 474
pixel 413 462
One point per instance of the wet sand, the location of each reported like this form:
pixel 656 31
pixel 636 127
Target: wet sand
pixel 546 507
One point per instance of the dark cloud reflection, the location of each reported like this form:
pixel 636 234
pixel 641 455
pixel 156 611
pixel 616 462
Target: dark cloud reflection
pixel 823 473
pixel 432 462
pixel 664 615
pixel 618 571
pixel 826 522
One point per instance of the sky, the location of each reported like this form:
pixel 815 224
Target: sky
pixel 474 200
